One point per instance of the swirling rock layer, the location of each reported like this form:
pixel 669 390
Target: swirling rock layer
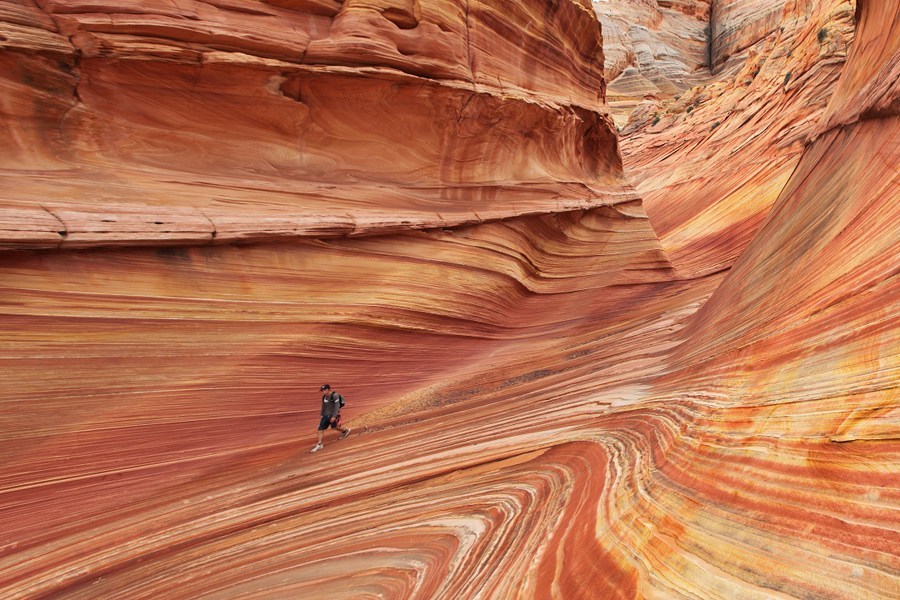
pixel 653 50
pixel 544 403
pixel 210 122
pixel 711 164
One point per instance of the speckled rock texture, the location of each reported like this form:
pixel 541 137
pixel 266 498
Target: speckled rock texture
pixel 663 364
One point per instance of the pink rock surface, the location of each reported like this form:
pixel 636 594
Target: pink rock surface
pixel 711 164
pixel 206 122
pixel 552 394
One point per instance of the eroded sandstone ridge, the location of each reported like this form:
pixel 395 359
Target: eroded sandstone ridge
pixel 196 122
pixel 553 395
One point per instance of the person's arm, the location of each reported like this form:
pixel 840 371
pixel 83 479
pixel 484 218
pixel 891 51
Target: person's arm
pixel 336 406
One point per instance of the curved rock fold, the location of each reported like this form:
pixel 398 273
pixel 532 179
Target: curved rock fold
pixel 572 370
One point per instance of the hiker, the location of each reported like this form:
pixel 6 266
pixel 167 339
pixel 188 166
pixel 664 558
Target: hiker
pixel 331 415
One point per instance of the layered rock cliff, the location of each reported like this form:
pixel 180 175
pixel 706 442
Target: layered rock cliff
pixel 711 163
pixel 553 394
pixel 653 50
pixel 214 121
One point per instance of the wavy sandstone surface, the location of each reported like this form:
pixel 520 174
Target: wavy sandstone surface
pixel 216 121
pixel 210 208
pixel 710 164
pixel 653 50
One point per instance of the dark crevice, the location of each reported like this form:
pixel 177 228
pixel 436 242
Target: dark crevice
pixel 462 111
pixel 73 69
pixel 64 232
pixel 214 232
pixel 469 47
pixel 710 36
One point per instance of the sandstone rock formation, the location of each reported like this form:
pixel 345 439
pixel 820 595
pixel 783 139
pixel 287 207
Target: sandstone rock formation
pixel 653 50
pixel 553 393
pixel 711 164
pixel 208 121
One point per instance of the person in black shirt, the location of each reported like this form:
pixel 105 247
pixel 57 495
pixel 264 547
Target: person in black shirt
pixel 332 402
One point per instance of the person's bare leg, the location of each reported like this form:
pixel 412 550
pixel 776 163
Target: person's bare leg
pixel 319 445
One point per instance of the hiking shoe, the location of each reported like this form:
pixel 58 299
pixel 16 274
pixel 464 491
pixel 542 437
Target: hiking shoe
pixel 317 447
pixel 345 434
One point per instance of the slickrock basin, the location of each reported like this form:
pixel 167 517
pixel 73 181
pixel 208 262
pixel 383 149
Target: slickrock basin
pixel 611 289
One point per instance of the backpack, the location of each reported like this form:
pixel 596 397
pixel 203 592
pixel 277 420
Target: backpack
pixel 340 399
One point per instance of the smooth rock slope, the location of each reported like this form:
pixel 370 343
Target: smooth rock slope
pixel 210 208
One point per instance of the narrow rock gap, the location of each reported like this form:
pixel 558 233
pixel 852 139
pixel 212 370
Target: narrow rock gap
pixel 710 35
pixel 469 47
pixel 76 61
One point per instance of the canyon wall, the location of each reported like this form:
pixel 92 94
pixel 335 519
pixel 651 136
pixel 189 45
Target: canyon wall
pixel 210 122
pixel 653 50
pixel 211 208
pixel 710 164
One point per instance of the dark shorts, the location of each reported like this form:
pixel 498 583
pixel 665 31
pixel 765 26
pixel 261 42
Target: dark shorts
pixel 324 422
